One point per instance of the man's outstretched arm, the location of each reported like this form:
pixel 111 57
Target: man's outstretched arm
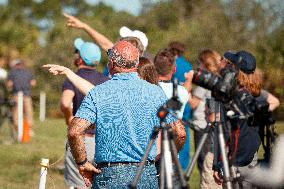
pixel 98 38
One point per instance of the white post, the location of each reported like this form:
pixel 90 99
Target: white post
pixel 43 172
pixel 20 115
pixel 42 106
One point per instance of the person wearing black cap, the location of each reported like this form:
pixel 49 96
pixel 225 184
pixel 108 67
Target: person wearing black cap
pixel 245 139
pixel 247 142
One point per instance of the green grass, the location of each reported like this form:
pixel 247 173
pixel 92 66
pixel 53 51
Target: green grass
pixel 20 163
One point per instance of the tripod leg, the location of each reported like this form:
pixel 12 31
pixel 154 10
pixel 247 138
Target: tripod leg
pixel 162 180
pixel 167 159
pixel 268 144
pixel 134 183
pixel 224 157
pixel 190 167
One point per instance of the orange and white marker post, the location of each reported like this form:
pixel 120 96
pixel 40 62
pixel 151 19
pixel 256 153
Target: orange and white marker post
pixel 23 125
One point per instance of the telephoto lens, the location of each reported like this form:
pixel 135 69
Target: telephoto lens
pixel 205 79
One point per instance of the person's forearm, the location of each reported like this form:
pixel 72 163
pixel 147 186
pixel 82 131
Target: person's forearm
pixel 100 39
pixel 67 114
pixel 83 85
pixel 193 102
pixel 33 83
pixel 188 86
pixel 76 138
pixel 9 85
pixel 273 102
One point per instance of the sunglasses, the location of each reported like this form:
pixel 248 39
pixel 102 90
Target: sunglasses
pixel 76 51
pixel 109 52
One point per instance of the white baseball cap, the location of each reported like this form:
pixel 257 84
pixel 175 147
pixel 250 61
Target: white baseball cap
pixel 126 32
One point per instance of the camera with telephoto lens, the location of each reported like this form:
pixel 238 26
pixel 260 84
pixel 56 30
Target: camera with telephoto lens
pixel 225 88
pixel 222 87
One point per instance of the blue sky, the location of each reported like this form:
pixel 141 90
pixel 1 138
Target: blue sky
pixel 131 6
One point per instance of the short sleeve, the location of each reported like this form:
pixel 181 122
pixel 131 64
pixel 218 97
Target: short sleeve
pixel 67 85
pixel 88 109
pixel 11 75
pixel 199 92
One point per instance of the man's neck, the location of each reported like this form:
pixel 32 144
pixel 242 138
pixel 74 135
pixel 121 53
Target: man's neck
pixel 124 70
pixel 165 77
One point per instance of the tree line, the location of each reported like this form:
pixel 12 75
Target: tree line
pixel 35 31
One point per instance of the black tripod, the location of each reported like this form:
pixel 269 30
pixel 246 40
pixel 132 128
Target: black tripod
pixel 217 126
pixel 268 137
pixel 168 149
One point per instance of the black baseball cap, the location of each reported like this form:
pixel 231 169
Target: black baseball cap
pixel 244 60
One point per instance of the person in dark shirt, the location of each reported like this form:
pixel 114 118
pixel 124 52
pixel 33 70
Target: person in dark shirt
pixel 21 79
pixel 87 56
pixel 244 140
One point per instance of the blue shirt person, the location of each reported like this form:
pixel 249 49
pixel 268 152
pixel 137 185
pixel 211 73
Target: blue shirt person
pixel 182 67
pixel 123 110
pixel 87 56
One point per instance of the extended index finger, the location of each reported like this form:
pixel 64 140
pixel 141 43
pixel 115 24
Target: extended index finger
pixel 67 15
pixel 49 65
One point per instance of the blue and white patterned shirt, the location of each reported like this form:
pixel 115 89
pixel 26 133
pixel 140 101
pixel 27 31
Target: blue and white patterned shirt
pixel 124 110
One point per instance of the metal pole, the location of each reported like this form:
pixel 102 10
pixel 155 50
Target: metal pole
pixel 20 115
pixel 42 106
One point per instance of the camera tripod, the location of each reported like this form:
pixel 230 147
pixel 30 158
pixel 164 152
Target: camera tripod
pixel 218 130
pixel 169 154
pixel 268 137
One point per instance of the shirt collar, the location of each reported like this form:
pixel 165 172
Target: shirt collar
pixel 125 76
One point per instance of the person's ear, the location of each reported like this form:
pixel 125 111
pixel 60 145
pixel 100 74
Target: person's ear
pixel 174 69
pixel 110 67
pixel 81 61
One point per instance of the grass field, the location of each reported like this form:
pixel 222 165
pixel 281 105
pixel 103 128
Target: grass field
pixel 20 163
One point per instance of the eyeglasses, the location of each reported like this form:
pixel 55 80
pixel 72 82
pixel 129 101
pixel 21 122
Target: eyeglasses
pixel 76 51
pixel 109 52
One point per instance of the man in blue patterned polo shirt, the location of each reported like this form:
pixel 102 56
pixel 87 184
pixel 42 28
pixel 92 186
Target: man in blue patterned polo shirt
pixel 124 111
